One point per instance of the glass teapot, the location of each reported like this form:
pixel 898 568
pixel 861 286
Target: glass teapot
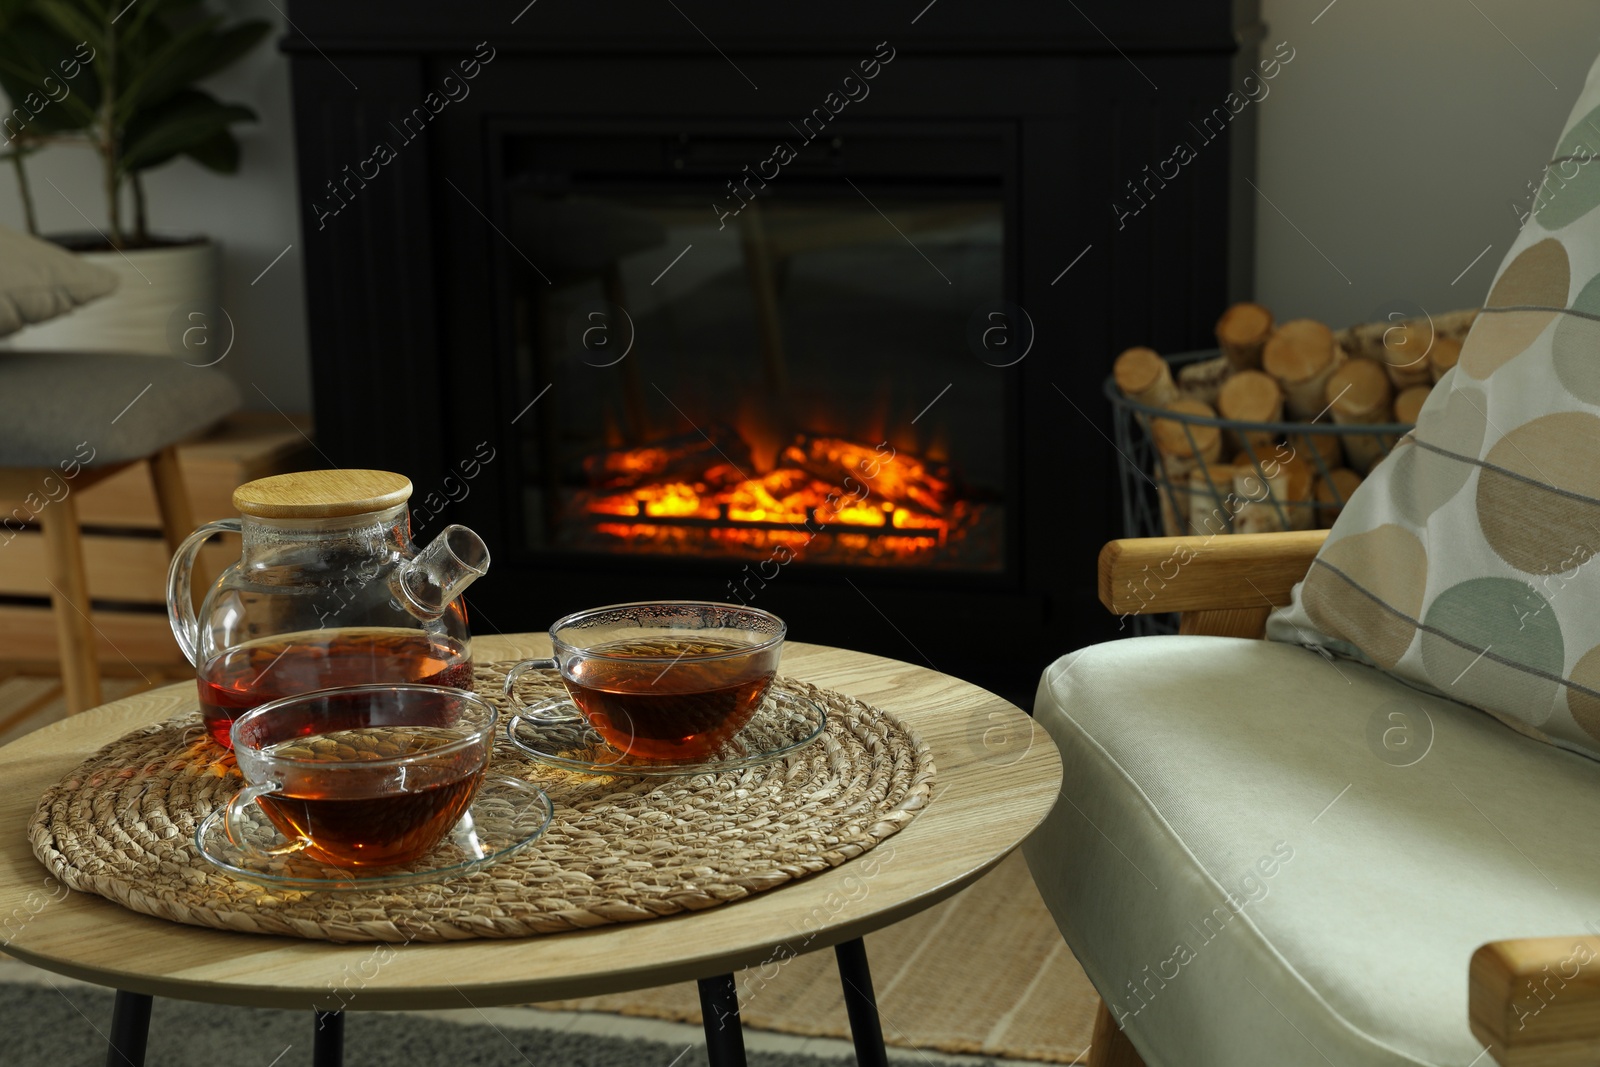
pixel 328 590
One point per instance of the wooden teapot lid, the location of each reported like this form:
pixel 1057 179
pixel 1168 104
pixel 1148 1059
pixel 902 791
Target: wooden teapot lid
pixel 1298 350
pixel 321 494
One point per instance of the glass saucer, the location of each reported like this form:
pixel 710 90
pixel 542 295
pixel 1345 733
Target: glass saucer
pixel 785 722
pixel 506 816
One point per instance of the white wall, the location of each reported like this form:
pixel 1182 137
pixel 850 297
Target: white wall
pixel 252 214
pixel 1397 141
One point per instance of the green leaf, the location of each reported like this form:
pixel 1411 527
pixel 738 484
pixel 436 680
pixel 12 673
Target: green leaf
pixel 196 53
pixel 73 22
pixel 141 59
pixel 145 13
pixel 182 124
pixel 43 98
pixel 219 153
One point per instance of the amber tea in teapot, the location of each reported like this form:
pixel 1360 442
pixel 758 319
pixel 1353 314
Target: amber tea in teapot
pixel 328 591
pixel 247 676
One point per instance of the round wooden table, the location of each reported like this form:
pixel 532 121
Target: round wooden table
pixel 997 777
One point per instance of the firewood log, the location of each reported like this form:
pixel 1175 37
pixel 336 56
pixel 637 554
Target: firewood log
pixel 1360 392
pixel 1184 440
pixel 1390 342
pixel 1302 355
pixel 1144 376
pixel 1261 493
pixel 1364 340
pixel 1251 396
pixel 1173 498
pixel 1210 488
pixel 1175 480
pixel 1406 348
pixel 1409 402
pixel 1321 451
pixel 1290 479
pixel 1333 493
pixel 714 458
pixel 1242 331
pixel 904 480
pixel 1444 354
pixel 1183 447
pixel 1202 381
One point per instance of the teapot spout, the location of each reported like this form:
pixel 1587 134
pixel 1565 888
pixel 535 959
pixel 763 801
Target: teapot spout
pixel 429 581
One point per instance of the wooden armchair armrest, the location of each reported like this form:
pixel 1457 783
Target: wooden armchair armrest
pixel 1536 1001
pixel 1157 574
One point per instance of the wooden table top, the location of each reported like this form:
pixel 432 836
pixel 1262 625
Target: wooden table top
pixel 998 774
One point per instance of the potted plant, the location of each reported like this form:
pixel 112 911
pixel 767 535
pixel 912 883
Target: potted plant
pixel 121 79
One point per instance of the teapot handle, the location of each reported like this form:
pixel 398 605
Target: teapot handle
pixel 180 593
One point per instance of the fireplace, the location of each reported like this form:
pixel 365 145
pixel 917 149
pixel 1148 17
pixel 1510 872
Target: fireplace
pixel 811 318
pixel 732 380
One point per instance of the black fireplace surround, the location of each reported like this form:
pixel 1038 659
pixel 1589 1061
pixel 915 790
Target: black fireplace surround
pixel 450 157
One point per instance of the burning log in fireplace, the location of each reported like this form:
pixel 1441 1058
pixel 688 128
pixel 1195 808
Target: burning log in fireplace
pixel 828 498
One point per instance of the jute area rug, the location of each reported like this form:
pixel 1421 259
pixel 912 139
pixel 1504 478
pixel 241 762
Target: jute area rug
pixel 985 972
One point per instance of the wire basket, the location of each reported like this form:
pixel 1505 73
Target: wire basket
pixel 1262 476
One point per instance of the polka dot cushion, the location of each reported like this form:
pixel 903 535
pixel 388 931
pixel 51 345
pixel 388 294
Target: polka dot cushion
pixel 1466 563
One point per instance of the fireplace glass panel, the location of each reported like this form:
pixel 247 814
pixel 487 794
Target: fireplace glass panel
pixel 792 378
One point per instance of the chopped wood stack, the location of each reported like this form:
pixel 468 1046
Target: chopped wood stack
pixel 1368 374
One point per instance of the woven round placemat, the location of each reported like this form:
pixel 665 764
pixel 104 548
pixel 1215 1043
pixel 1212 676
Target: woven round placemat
pixel 619 849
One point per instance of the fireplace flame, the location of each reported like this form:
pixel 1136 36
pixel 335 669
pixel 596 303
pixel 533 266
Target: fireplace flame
pixel 704 490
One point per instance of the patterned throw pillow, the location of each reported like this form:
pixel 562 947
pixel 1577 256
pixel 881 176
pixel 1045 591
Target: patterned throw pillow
pixel 1466 563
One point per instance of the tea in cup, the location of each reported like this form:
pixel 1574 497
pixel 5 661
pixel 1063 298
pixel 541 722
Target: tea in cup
pixel 362 776
pixel 670 680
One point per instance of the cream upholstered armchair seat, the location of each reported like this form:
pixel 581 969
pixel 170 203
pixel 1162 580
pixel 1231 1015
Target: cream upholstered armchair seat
pixel 1266 857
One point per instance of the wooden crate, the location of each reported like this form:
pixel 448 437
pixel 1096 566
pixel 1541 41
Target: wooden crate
pixel 124 554
pixel 250 444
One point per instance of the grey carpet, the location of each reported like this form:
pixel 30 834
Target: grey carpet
pixel 45 1027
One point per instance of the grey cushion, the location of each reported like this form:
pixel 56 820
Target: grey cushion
pixel 40 280
pixel 98 408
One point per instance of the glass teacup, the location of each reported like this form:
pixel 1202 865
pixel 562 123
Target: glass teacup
pixel 362 776
pixel 662 681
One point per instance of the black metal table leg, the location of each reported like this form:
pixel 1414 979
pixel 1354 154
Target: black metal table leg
pixel 719 1004
pixel 861 1003
pixel 130 1029
pixel 327 1044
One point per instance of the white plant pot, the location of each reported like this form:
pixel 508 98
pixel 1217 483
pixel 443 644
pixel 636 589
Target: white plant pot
pixel 156 284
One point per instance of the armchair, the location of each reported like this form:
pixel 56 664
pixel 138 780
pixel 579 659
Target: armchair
pixel 1202 832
